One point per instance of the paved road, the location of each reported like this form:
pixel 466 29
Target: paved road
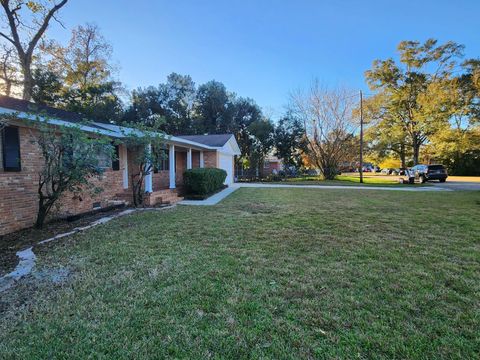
pixel 453 182
pixel 456 185
pixel 344 187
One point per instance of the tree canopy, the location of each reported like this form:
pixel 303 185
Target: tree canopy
pixel 428 92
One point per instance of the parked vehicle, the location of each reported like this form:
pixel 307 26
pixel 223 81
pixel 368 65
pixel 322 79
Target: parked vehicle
pixel 386 171
pixel 401 171
pixel 424 173
pixel 407 177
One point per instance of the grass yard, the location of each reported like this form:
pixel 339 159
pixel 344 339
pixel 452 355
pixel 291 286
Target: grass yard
pixel 346 180
pixel 267 273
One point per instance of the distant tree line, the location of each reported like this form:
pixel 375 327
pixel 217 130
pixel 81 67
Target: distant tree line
pixel 80 76
pixel 425 107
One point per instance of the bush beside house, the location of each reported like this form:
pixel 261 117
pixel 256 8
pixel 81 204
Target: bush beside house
pixel 202 182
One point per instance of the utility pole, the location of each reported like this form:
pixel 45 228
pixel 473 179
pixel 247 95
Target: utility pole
pixel 361 137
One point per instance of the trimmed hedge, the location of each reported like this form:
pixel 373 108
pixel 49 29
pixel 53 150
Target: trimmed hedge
pixel 203 181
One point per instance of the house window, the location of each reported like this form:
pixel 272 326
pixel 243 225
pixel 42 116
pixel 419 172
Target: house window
pixel 104 158
pixel 10 149
pixel 116 159
pixel 162 162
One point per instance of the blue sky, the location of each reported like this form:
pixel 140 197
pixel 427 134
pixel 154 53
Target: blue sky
pixel 264 49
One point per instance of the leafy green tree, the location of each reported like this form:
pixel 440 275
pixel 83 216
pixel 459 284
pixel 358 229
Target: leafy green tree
pixel 70 163
pixel 177 98
pixel 100 102
pixel 261 141
pixel 289 140
pixel 456 148
pixel 84 69
pixel 144 104
pixel 47 87
pixel 246 112
pixel 172 100
pixel 214 109
pixel 410 88
pixel 31 20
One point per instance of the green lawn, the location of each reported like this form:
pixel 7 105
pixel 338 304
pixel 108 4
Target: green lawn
pixel 268 273
pixel 345 180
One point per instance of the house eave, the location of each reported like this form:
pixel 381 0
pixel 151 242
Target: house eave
pixel 111 130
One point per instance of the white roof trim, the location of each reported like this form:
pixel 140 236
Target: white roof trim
pixel 111 130
pixel 53 121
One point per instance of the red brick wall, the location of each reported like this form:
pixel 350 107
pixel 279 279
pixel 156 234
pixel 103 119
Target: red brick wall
pixel 195 159
pixel 210 159
pixel 161 180
pixel 269 167
pixel 18 190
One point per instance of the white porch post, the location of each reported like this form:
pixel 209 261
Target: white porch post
pixel 202 164
pixel 149 176
pixel 189 158
pixel 125 166
pixel 171 161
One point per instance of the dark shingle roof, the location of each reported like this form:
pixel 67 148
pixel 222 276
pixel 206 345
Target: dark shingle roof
pixel 216 140
pixel 30 107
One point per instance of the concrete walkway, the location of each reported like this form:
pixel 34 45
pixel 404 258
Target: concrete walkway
pixel 215 199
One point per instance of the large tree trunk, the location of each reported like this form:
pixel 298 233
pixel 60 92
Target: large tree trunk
pixel 416 150
pixel 26 65
pixel 42 213
pixel 402 155
pixel 8 87
pixel 27 81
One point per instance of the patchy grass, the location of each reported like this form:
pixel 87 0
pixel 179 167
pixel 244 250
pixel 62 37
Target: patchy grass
pixel 19 240
pixel 267 273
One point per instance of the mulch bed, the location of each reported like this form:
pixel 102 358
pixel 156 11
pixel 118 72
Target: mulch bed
pixel 19 240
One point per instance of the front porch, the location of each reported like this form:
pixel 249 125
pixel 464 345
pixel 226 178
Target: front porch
pixel 164 185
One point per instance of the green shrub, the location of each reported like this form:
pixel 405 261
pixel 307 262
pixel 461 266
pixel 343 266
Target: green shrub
pixel 203 181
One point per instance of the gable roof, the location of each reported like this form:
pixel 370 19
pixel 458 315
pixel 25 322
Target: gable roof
pixel 215 140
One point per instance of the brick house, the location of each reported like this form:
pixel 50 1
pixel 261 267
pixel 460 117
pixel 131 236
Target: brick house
pixel 21 161
pixel 272 165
